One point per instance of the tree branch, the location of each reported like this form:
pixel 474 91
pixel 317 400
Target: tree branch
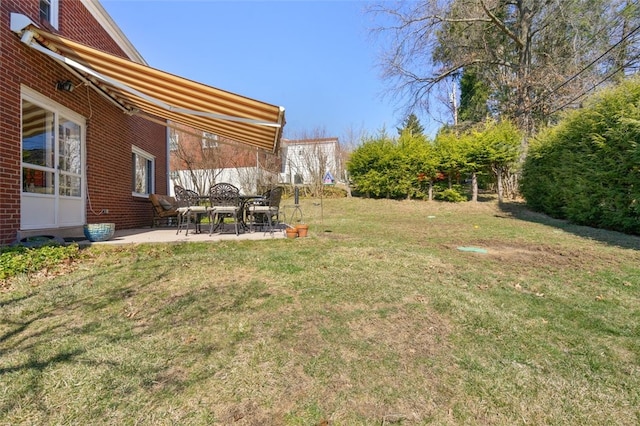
pixel 502 26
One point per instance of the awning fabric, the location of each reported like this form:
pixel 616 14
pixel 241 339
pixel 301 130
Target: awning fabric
pixel 141 90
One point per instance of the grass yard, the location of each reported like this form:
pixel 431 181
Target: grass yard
pixel 377 318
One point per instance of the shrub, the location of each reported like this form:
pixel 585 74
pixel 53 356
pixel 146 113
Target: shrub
pixel 451 195
pixel 586 168
pixel 16 260
pixel 330 191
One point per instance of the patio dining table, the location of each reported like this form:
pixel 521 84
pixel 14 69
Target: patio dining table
pixel 244 200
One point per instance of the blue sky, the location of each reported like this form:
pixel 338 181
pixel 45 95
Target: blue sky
pixel 315 58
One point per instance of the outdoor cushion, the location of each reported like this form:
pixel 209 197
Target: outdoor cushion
pixel 160 209
pixel 193 209
pixel 165 204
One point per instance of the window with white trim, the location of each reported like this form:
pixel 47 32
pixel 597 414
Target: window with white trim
pixel 49 11
pixel 174 140
pixel 209 140
pixel 142 170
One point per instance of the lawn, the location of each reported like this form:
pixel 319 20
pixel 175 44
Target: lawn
pixel 390 312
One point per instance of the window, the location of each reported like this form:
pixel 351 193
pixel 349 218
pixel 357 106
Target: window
pixel 142 171
pixel 38 149
pixel 69 157
pixel 49 12
pixel 174 140
pixel 209 140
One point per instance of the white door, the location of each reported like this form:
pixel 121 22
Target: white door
pixel 52 165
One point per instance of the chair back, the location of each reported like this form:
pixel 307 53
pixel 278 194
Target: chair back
pixel 181 196
pixel 273 196
pixel 224 194
pixel 186 197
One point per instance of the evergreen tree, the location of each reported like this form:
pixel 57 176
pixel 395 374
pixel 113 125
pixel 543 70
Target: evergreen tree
pixel 412 125
pixel 474 94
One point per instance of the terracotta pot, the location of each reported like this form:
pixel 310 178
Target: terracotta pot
pixel 292 233
pixel 302 229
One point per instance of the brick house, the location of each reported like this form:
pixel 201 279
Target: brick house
pixel 199 159
pixel 84 121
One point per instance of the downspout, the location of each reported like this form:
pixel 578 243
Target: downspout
pixel 168 160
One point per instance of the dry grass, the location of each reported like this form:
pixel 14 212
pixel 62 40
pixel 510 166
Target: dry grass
pixel 376 318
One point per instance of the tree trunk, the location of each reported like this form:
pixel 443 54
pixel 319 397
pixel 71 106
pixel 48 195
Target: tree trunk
pixel 499 182
pixel 474 187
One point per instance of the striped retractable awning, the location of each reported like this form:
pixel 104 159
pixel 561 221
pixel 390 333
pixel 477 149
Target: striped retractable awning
pixel 151 93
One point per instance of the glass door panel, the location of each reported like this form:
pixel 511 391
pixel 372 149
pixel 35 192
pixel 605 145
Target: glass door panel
pixel 69 158
pixel 38 148
pixel 38 181
pixel 52 168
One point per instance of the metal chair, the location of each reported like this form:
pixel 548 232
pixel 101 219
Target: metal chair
pixel 225 202
pixel 266 208
pixel 188 208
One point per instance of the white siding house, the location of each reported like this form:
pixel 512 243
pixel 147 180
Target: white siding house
pixel 307 161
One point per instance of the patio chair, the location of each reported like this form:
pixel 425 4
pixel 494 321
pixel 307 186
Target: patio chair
pixel 188 209
pixel 164 209
pixel 225 202
pixel 266 209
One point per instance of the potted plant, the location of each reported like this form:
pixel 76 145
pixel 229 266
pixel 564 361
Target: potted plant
pixel 302 229
pixel 95 232
pixel 291 232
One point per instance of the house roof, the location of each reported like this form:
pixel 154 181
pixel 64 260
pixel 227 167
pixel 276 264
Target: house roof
pixel 151 93
pixel 108 24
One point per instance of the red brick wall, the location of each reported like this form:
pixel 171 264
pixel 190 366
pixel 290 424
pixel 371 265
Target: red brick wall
pixel 110 133
pixel 228 154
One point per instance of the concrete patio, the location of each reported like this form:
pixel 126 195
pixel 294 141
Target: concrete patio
pixel 149 235
pixel 168 235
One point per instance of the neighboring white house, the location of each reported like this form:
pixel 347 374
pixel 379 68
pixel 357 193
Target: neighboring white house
pixel 309 161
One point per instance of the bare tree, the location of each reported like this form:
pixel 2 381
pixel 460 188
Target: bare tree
pixel 348 143
pixel 310 156
pixel 196 159
pixel 256 170
pixel 535 55
pixel 199 160
pixel 271 166
pixel 315 160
